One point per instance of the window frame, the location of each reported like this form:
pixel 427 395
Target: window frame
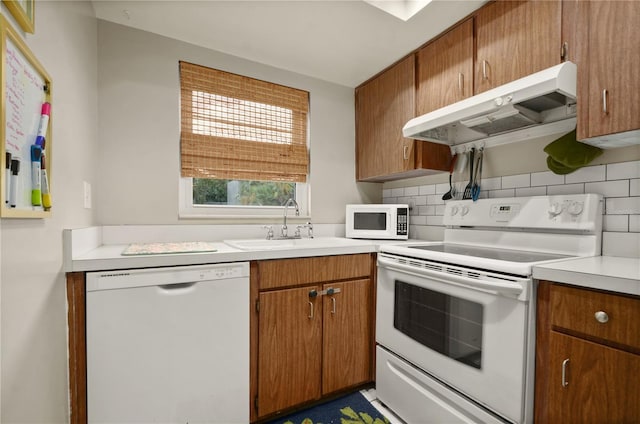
pixel 188 210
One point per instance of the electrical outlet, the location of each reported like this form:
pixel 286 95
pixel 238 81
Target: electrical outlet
pixel 87 195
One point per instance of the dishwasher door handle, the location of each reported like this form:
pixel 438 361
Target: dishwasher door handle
pixel 178 288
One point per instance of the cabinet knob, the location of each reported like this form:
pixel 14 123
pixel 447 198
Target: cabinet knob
pixel 601 317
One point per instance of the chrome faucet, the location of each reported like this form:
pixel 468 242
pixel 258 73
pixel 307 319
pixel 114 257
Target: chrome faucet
pixel 288 203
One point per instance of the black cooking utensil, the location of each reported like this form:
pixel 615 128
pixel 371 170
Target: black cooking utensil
pixel 467 189
pixel 449 194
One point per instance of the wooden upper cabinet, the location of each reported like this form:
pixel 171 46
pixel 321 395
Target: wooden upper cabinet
pixel 612 104
pixel 383 106
pixel 445 69
pixel 515 39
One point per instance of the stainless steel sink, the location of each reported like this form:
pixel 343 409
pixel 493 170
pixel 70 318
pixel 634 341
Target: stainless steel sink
pixel 302 243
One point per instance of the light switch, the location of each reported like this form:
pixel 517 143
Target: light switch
pixel 87 195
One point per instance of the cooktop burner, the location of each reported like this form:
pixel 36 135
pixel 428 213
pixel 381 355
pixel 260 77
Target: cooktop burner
pixel 497 254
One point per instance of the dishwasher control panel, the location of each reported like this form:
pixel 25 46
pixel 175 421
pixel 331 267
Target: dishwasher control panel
pixel 108 280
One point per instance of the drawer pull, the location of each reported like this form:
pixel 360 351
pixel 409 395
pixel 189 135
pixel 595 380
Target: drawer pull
pixel 601 317
pixel 565 363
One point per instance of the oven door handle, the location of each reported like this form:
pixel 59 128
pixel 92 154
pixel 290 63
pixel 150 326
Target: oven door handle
pixel 504 288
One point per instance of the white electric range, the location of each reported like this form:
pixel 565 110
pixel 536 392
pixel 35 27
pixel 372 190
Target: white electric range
pixel 455 324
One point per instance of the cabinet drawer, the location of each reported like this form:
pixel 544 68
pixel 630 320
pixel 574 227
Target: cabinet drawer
pixel 329 268
pixel 285 272
pixel 575 309
pixel 299 271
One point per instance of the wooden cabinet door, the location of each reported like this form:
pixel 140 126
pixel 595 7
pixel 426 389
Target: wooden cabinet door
pixel 289 349
pixel 383 106
pixel 515 39
pixel 347 335
pixel 601 383
pixel 614 67
pixel 445 69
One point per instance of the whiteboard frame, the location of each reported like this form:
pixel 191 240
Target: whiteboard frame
pixel 7 32
pixel 24 17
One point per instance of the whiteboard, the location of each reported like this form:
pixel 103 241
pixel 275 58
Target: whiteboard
pixel 26 86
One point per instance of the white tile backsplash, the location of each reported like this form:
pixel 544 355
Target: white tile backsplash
pixel 531 191
pixel 617 188
pixel 418 220
pixel 624 170
pixel 397 192
pixel 565 189
pixel 587 174
pixel 634 223
pixel 510 192
pixel 616 223
pixel 420 200
pixel 434 220
pixel 435 199
pixel 494 183
pixel 619 183
pixel 546 178
pixel 411 191
pixel 442 188
pixel 516 181
pixel 634 187
pixel 623 205
pixel 427 189
pixel 621 244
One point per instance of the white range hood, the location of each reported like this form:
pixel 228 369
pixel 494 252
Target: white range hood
pixel 538 105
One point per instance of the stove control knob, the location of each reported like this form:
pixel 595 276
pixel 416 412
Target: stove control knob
pixel 555 209
pixel 454 210
pixel 575 208
pixel 464 210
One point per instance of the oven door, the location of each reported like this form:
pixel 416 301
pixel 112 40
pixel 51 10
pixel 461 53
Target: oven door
pixel 470 335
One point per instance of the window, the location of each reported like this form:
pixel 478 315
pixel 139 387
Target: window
pixel 243 144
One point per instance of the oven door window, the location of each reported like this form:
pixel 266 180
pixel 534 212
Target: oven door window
pixel 444 323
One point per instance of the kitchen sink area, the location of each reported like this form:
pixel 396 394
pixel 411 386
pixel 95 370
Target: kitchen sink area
pixel 293 243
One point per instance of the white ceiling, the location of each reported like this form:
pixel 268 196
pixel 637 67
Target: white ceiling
pixel 341 41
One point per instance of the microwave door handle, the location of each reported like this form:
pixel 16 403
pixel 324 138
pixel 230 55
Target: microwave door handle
pixel 504 288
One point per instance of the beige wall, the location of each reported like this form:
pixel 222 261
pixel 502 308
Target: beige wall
pixel 139 129
pixel 32 302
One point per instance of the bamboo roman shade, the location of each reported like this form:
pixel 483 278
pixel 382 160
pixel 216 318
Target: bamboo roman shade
pixel 240 128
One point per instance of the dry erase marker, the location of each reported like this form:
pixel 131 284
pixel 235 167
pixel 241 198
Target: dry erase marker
pixel 36 192
pixel 44 123
pixel 46 196
pixel 15 169
pixel 7 176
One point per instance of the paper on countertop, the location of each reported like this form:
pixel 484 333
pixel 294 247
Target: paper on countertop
pixel 167 248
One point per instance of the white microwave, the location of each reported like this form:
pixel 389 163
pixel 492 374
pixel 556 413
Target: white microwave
pixel 390 222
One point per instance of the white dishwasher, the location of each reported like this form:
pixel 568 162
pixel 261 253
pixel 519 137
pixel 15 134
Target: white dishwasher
pixel 168 345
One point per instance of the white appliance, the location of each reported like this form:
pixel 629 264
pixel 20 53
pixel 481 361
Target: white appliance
pixel 168 345
pixel 379 221
pixel 455 319
pixel 540 104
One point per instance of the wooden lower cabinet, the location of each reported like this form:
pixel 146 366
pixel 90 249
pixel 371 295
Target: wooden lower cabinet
pixel 346 335
pixel 290 349
pixel 600 383
pixel 586 368
pixel 313 339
